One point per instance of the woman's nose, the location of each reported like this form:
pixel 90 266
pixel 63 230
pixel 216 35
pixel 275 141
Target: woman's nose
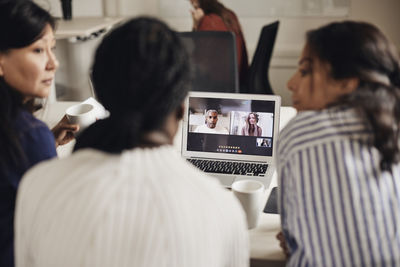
pixel 291 83
pixel 52 63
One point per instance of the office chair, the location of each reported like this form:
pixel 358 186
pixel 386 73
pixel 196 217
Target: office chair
pixel 258 79
pixel 214 59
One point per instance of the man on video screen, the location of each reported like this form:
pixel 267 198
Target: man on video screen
pixel 210 125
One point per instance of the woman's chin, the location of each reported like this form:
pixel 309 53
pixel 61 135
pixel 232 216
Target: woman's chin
pixel 44 92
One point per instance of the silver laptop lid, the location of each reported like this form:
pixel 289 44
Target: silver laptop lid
pixel 214 126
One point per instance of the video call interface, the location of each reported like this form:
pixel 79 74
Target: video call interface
pixel 231 126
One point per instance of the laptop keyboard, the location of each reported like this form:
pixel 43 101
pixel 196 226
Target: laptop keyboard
pixel 230 167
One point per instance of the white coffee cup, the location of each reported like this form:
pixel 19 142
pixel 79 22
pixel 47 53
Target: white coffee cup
pixel 250 194
pixel 82 114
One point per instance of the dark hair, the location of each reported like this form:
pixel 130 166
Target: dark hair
pixel 140 74
pixel 360 50
pixel 215 7
pixel 21 23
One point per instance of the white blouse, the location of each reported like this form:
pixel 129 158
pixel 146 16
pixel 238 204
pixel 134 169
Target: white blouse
pixel 144 207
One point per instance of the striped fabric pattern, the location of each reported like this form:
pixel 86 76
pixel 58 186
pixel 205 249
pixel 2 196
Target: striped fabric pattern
pixel 337 207
pixel 146 207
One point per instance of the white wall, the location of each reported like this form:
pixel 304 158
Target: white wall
pixel 383 13
pixel 81 8
pixel 290 39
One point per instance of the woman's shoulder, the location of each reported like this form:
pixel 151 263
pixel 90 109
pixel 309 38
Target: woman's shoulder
pixel 25 121
pixel 212 16
pixel 300 122
pixel 231 14
pixel 212 22
pixel 314 127
pixel 33 133
pixel 334 118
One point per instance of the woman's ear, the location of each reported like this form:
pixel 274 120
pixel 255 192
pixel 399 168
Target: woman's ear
pixel 180 111
pixel 349 85
pixel 1 65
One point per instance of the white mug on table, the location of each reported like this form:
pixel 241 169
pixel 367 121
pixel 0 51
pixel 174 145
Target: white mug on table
pixel 250 193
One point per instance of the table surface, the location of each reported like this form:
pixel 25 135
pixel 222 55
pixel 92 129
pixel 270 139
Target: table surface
pixel 264 248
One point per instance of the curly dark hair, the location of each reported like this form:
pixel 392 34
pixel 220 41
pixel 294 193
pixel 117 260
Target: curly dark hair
pixel 358 49
pixel 141 68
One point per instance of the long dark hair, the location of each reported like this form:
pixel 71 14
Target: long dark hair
pixel 215 7
pixel 140 74
pixel 360 50
pixel 21 23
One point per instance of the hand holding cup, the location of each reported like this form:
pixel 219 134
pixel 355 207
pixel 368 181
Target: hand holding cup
pixel 81 114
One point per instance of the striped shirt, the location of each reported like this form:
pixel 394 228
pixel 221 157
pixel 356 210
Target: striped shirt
pixel 145 207
pixel 337 207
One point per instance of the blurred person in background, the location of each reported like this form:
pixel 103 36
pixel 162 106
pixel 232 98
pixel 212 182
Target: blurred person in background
pixel 211 15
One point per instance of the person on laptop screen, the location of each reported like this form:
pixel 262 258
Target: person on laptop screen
pixel 210 126
pixel 126 197
pixel 338 160
pixel 251 128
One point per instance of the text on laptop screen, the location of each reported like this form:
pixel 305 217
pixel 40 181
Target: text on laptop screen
pixel 237 126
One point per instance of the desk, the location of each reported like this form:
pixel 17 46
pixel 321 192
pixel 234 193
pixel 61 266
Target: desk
pixel 264 248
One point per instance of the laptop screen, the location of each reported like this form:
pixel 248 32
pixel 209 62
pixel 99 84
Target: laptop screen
pixel 234 124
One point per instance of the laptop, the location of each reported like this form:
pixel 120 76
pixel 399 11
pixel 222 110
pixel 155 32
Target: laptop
pixel 219 135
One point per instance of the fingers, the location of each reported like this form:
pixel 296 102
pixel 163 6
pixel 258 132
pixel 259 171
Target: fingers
pixel 280 236
pixel 70 127
pixel 282 243
pixel 192 12
pixel 64 124
pixel 64 119
pixel 68 137
pixel 197 13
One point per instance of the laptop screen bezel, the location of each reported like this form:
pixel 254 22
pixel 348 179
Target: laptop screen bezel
pixel 230 156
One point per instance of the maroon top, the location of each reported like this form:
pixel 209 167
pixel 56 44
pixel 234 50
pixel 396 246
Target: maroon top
pixel 213 22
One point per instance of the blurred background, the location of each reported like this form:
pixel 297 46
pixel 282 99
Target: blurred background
pixel 295 16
